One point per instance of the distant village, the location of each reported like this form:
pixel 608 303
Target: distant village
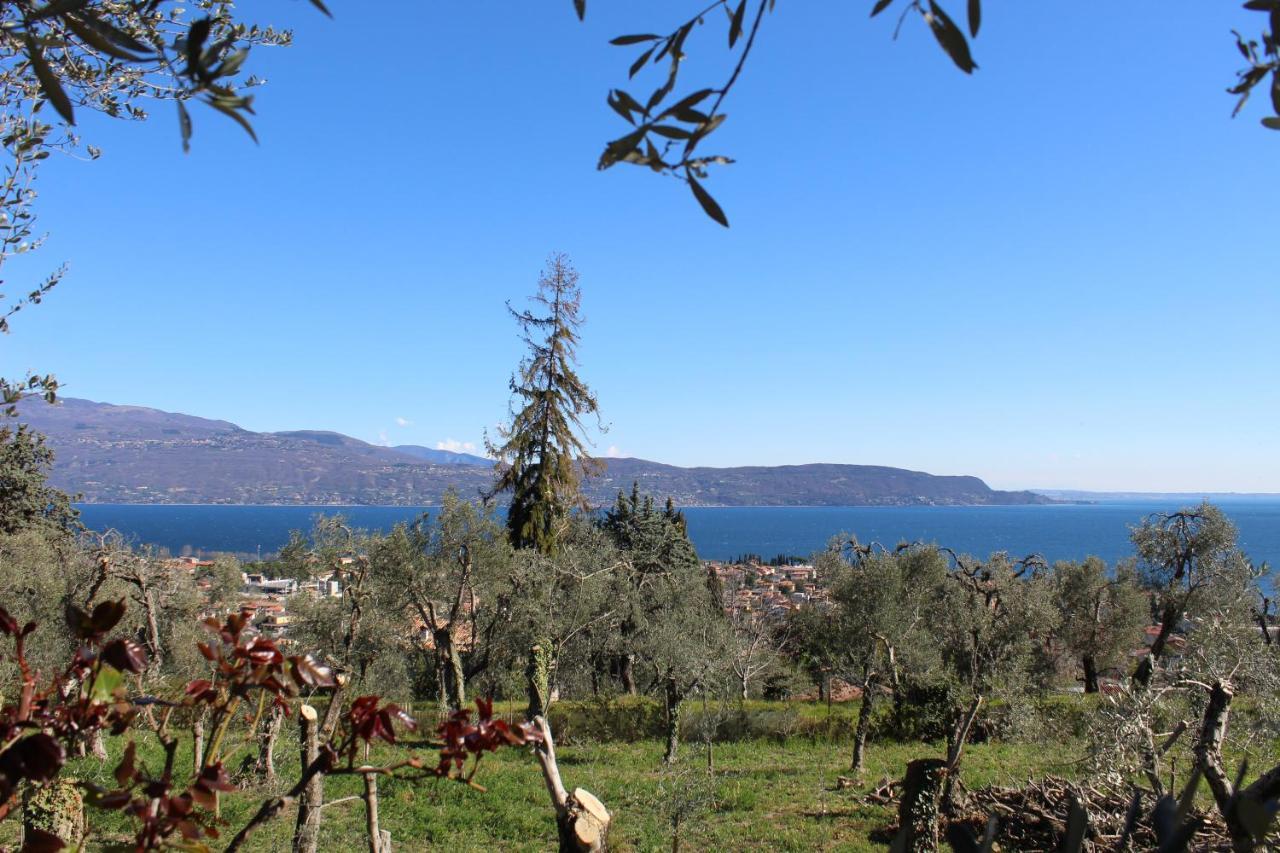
pixel 750 586
pixel 768 590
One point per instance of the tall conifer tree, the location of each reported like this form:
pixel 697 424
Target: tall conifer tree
pixel 541 453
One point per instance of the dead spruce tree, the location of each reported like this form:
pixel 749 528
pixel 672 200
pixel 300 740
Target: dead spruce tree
pixel 541 453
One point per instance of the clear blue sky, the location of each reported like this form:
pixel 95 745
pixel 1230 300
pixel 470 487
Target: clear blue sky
pixel 1061 272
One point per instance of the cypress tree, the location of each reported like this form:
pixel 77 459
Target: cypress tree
pixel 541 453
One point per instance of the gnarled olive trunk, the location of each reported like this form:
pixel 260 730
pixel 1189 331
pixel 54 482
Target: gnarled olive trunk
pixel 674 700
pixel 1090 674
pixel 266 765
pixel 1208 752
pixel 449 667
pixel 627 673
pixel 864 724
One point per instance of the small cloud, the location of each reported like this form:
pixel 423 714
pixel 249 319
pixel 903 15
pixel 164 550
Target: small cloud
pixel 403 422
pixel 613 452
pixel 382 438
pixel 454 446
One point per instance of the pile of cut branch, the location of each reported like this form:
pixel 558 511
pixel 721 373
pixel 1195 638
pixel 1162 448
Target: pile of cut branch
pixel 1035 818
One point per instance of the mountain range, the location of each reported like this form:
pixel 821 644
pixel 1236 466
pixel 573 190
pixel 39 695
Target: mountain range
pixel 132 454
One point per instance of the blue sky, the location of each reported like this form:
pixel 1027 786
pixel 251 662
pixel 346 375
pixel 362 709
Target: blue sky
pixel 1059 272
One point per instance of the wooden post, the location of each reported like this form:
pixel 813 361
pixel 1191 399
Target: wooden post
pixel 306 835
pixel 371 812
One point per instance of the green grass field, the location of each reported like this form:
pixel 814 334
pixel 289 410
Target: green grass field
pixel 766 794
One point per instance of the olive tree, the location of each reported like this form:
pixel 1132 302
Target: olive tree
pixel 671 618
pixel 560 611
pixel 885 601
pixel 362 629
pixel 449 570
pixel 1100 615
pixel 1206 649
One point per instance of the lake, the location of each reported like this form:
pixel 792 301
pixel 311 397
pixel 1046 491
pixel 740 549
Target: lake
pixel 1058 532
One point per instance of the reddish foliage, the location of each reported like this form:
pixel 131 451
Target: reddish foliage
pixel 369 722
pixel 39 729
pixel 464 738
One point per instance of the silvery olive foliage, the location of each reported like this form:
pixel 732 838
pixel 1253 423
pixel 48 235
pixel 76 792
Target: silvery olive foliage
pixel 62 58
pixel 668 127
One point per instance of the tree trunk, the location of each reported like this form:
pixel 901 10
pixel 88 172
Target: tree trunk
pixel 153 631
pixel 538 681
pixel 627 673
pixel 453 680
pixel 334 709
pixel 1090 674
pixel 56 808
pixel 710 728
pixel 864 723
pixel 1147 666
pixel 266 766
pixel 582 821
pixel 919 812
pixel 674 700
pixel 306 834
pixel 1208 752
pixel 955 749
pixel 98 745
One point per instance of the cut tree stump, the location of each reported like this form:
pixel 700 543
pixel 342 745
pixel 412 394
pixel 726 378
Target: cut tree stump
pixel 306 836
pixel 918 812
pixel 586 820
pixel 582 821
pixel 57 808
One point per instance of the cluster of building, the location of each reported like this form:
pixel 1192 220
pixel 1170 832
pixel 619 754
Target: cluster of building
pixel 264 600
pixel 770 591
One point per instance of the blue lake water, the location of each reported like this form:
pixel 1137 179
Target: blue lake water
pixel 1057 531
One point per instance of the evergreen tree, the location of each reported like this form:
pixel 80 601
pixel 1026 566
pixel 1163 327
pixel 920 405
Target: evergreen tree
pixel 670 615
pixel 541 452
pixel 26 498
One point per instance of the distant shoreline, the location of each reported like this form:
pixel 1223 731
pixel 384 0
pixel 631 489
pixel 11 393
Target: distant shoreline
pixel 603 506
pixel 1071 531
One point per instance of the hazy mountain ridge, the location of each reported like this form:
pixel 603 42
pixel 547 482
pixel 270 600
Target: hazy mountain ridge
pixel 132 454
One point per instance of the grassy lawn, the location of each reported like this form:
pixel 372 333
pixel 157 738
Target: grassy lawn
pixel 766 794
